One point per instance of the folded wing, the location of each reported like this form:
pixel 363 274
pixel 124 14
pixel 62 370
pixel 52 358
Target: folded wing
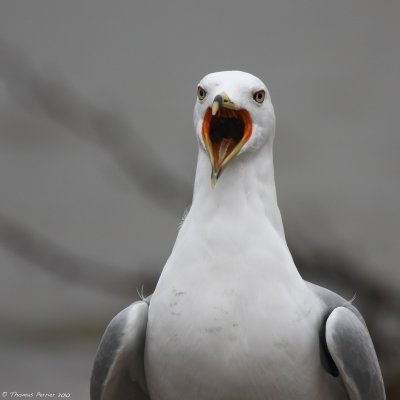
pixel 118 371
pixel 350 346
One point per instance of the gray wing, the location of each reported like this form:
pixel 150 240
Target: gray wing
pixel 118 370
pixel 347 349
pixel 351 348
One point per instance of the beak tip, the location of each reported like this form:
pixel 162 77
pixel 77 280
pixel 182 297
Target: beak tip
pixel 214 179
pixel 214 108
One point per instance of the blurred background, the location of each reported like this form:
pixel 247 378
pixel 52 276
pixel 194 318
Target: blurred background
pixel 97 159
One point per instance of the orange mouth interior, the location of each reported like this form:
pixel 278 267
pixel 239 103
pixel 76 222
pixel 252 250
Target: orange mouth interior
pixel 224 134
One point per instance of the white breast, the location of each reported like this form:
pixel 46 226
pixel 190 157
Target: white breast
pixel 233 324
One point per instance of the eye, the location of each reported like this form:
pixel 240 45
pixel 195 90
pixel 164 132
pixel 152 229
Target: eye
pixel 259 96
pixel 201 93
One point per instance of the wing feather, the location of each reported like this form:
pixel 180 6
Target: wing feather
pixel 352 350
pixel 118 371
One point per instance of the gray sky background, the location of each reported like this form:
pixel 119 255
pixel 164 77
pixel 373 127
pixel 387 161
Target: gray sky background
pixel 333 72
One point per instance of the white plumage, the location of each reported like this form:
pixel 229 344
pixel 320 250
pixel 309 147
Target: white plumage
pixel 231 318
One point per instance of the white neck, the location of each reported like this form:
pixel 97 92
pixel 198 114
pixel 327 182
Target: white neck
pixel 247 183
pixel 237 225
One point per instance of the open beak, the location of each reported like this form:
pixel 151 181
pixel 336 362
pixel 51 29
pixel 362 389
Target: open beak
pixel 226 128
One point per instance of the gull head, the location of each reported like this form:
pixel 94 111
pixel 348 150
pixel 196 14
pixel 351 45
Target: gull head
pixel 233 114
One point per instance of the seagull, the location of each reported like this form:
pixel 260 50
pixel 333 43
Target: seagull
pixel 231 318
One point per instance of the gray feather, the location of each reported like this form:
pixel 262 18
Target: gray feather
pixel 351 348
pixel 347 349
pixel 118 371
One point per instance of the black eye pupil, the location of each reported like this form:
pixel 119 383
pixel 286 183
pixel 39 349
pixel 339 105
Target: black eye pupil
pixel 201 93
pixel 259 96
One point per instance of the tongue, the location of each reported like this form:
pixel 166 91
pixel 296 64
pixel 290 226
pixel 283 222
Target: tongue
pixel 223 149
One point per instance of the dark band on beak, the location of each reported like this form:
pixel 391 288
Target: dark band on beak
pixel 222 100
pixel 218 98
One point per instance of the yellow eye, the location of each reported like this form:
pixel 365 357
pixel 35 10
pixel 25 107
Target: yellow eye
pixel 201 93
pixel 259 96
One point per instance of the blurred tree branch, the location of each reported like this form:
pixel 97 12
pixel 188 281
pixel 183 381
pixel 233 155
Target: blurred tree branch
pixel 333 268
pixel 136 159
pixel 52 258
pixel 56 101
pixel 109 129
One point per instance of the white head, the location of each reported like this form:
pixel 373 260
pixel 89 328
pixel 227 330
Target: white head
pixel 233 114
